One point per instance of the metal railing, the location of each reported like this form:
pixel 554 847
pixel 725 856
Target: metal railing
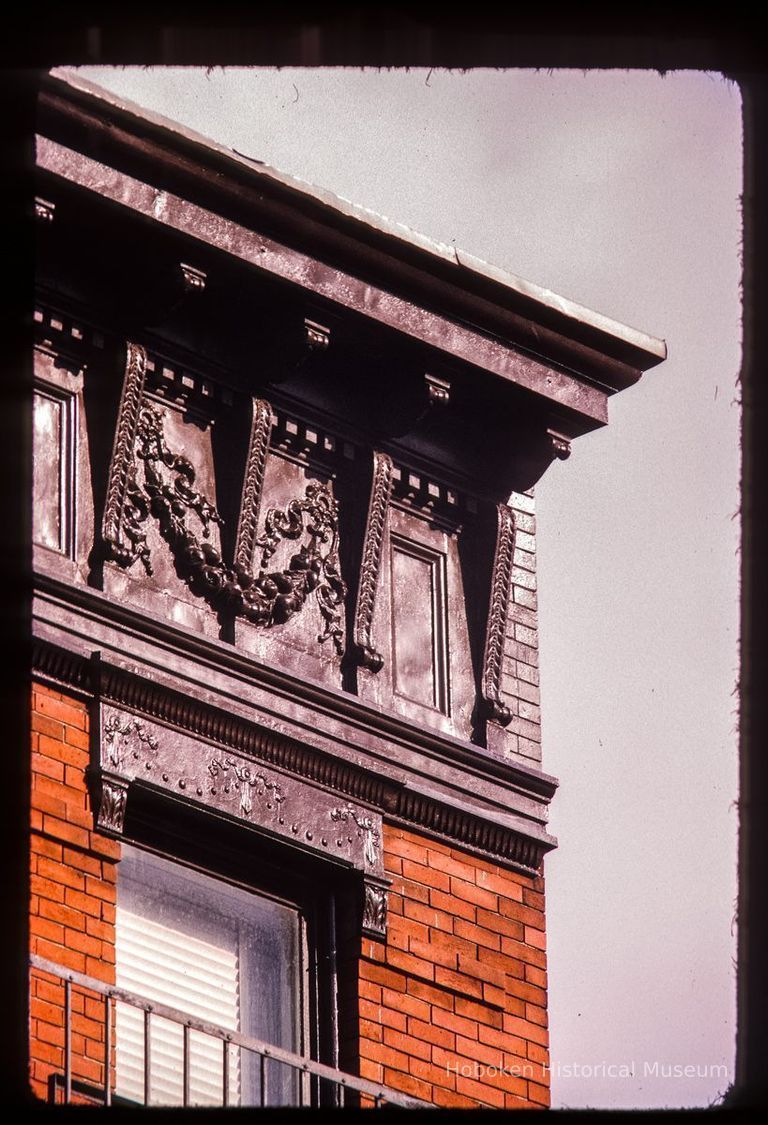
pixel 347 1087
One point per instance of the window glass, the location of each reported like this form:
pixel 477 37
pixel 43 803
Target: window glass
pixel 51 473
pixel 223 955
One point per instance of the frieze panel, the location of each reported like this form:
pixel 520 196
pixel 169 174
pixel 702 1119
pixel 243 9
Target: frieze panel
pixel 165 489
pixel 288 808
pixel 272 598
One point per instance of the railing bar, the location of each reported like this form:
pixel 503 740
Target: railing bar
pixel 225 1071
pixel 360 1085
pixel 107 1050
pixel 185 1064
pixel 147 1058
pixel 67 1041
pixel 263 1080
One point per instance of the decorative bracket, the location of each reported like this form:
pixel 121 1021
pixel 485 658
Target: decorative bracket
pixel 375 907
pixel 113 798
pixel 561 446
pixel 370 566
pixel 250 503
pixel 123 537
pixel 438 390
pixel 318 337
pixel 493 658
pixel 44 210
pixel 193 279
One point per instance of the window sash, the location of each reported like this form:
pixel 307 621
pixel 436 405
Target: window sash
pixel 225 955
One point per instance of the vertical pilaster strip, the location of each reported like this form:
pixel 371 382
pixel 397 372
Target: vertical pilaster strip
pixel 250 502
pixel 122 464
pixel 370 566
pixel 493 658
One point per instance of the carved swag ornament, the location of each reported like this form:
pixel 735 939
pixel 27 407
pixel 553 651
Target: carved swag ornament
pixel 166 491
pixel 366 830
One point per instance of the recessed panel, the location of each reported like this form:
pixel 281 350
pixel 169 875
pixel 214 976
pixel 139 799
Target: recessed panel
pixel 418 623
pixel 52 493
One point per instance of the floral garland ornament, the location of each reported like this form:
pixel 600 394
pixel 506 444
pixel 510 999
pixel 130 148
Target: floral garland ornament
pixel 267 598
pixel 365 829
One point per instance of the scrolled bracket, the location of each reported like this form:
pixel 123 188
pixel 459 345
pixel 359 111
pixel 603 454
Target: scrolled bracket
pixel 560 445
pixel 44 210
pixel 438 390
pixel 253 483
pixel 370 566
pixel 193 279
pixel 112 802
pixel 317 337
pixel 375 907
pixel 493 705
pixel 125 509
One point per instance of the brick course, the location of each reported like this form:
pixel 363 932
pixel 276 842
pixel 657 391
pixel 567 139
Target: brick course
pixel 72 907
pixel 447 1013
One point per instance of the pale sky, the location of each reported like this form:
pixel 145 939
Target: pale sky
pixel 620 190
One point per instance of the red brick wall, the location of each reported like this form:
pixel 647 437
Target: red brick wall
pixel 72 908
pixel 453 1005
pixel 452 1008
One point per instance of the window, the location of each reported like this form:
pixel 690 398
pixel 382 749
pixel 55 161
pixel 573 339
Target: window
pixel 53 468
pixel 225 955
pixel 418 623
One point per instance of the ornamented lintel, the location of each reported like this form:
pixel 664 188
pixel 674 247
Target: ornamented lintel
pixel 239 787
pixel 195 720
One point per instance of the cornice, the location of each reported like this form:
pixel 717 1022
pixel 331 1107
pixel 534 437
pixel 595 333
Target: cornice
pixel 453 339
pixel 475 760
pixel 336 225
pixel 400 794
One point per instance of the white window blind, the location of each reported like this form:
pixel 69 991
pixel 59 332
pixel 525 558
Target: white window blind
pixel 216 952
pixel 171 966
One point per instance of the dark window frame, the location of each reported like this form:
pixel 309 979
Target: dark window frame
pixel 326 896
